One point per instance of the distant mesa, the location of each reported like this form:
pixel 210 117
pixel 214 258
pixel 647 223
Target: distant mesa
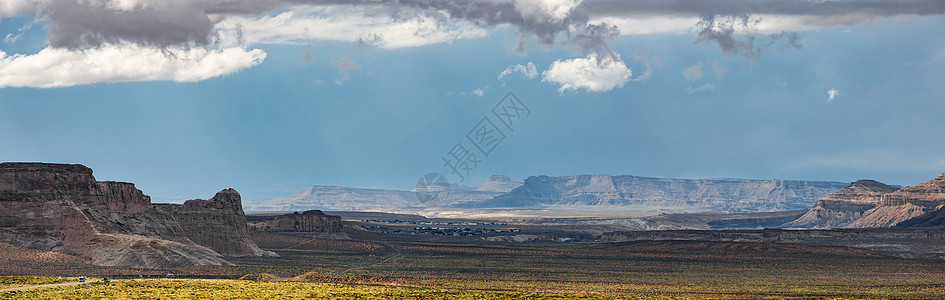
pixel 871 204
pixel 61 207
pixel 311 221
pixel 500 184
pixel 606 191
pixel 626 191
pixel 323 197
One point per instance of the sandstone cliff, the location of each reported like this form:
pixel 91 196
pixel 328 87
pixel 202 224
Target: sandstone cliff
pixel 308 221
pixel 218 223
pixel 62 208
pixel 623 190
pixel 839 209
pixel 867 204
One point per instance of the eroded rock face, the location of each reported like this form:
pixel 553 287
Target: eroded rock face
pixel 844 207
pixel 308 221
pixel 218 223
pixel 62 208
pixel 869 204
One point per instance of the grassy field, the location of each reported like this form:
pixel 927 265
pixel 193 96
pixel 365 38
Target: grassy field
pixel 697 269
pixel 243 289
pixel 18 281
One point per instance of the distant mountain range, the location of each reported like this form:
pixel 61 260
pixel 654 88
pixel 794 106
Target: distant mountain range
pixel 500 191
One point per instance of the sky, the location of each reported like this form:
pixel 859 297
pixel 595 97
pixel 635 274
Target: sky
pixel 188 97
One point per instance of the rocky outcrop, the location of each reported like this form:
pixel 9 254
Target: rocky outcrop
pixel 869 204
pixel 500 184
pixel 218 223
pixel 844 207
pixel 623 190
pixel 308 221
pixel 62 208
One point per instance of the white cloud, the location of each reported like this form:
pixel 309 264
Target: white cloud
pixel 478 92
pixel 593 73
pixel 302 24
pixel 832 93
pixel 545 11
pixel 639 25
pixel 57 67
pixel 528 70
pixel 693 72
pixel 704 87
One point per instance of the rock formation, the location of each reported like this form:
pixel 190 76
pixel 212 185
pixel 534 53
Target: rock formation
pixel 500 184
pixel 839 209
pixel 218 223
pixel 624 190
pixel 866 204
pixel 308 221
pixel 62 208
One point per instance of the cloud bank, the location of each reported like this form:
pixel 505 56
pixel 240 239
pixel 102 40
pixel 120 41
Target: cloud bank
pixel 738 28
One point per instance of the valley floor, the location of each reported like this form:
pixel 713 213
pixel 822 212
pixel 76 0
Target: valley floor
pixel 398 266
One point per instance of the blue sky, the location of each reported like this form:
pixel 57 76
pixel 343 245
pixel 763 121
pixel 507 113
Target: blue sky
pixel 348 96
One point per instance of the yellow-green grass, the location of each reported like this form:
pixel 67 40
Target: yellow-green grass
pixel 18 281
pixel 243 289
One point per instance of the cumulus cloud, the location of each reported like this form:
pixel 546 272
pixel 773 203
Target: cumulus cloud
pixel 528 70
pixel 593 73
pixel 60 67
pixel 694 72
pixel 832 93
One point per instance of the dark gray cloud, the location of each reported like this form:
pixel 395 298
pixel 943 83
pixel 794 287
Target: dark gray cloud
pixel 865 8
pixel 81 24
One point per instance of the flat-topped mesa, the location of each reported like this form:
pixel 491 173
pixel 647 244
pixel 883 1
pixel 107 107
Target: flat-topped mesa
pixel 308 221
pixel 218 223
pixel 36 177
pixel 62 208
pixel 500 183
pixel 626 190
